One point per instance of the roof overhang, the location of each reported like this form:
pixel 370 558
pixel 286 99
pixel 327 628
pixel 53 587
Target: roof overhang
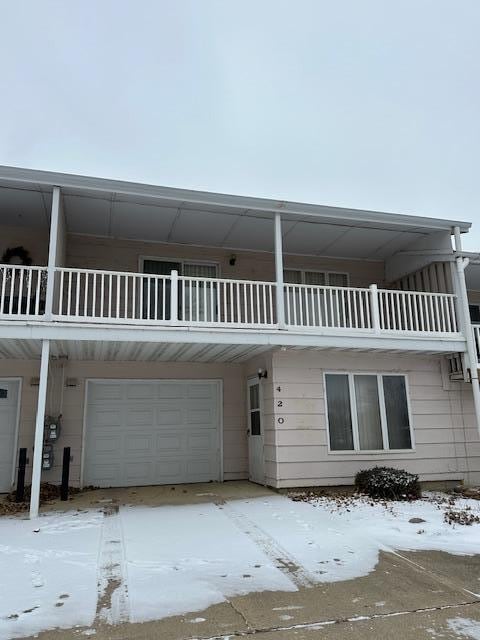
pixel 114 208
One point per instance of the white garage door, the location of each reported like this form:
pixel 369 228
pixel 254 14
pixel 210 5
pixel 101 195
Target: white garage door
pixel 152 432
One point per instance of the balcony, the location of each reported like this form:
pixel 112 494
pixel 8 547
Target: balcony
pixel 124 298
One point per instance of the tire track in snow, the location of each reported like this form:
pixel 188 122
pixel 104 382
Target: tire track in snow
pixel 283 560
pixel 112 604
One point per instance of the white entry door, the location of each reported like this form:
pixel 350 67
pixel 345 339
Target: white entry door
pixel 146 432
pixel 9 390
pixel 255 434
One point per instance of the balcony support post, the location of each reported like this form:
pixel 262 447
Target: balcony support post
pixel 375 308
pixel 280 297
pixel 39 428
pixel 464 311
pixel 174 297
pixel 56 249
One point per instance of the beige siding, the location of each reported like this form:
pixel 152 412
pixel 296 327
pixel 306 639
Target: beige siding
pixel 35 241
pixel 90 252
pixel 234 425
pixel 441 412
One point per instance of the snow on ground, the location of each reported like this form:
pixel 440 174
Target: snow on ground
pixel 180 559
pixel 48 578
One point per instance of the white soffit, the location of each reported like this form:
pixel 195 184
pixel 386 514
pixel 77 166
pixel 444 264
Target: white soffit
pixel 21 207
pixel 142 222
pixel 147 212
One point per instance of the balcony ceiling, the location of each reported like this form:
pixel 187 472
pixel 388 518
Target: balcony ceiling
pixel 143 212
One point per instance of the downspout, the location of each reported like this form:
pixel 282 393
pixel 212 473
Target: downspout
pixel 472 357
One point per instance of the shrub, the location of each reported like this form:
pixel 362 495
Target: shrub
pixel 385 482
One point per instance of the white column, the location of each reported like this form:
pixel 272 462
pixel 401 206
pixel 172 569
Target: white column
pixel 39 427
pixel 280 297
pixel 472 357
pixel 174 297
pixel 55 228
pixel 375 308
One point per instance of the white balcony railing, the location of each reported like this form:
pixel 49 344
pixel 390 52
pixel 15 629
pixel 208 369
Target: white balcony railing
pixel 119 297
pixel 22 291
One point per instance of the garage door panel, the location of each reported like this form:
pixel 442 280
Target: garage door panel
pixel 138 473
pixel 169 471
pixel 137 443
pixel 108 443
pixel 200 390
pixel 200 417
pixel 199 468
pixel 167 432
pixel 140 417
pixel 106 392
pixel 107 418
pixel 205 441
pixel 170 442
pixel 173 390
pixel 103 475
pixel 141 391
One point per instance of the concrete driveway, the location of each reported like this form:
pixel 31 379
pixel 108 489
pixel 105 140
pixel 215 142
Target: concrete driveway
pixel 408 594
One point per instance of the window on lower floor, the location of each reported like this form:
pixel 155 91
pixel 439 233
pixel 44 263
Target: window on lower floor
pixel 367 412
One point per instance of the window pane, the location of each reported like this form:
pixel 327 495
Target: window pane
pixel 397 412
pixel 200 270
pixel 254 397
pixel 290 276
pixel 474 312
pixel 368 412
pixel 314 277
pixel 337 279
pixel 339 414
pixel 255 429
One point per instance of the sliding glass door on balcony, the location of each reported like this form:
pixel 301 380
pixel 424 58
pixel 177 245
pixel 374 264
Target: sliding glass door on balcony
pixel 310 301
pixel 197 299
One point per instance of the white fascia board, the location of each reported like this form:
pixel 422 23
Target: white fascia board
pixel 203 198
pixel 111 333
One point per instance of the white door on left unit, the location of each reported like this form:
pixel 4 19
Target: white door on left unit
pixel 146 432
pixel 256 462
pixel 9 390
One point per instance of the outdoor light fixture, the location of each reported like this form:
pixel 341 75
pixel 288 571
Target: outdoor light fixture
pixel 262 373
pixel 233 259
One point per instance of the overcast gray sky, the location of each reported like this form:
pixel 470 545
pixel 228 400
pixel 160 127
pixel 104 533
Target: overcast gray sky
pixel 369 104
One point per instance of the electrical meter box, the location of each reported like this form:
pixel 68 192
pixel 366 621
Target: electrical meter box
pixel 47 456
pixel 52 429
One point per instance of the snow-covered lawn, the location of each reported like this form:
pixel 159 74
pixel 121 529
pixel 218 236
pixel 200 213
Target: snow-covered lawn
pixel 146 563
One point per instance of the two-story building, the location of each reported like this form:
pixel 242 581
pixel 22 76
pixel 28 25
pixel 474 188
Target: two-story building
pixel 185 336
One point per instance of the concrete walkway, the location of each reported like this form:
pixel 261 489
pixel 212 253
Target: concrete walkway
pixel 421 595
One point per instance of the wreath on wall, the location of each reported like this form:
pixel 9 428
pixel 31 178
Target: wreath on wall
pixel 17 252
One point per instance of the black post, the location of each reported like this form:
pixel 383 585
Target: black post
pixel 22 463
pixel 65 473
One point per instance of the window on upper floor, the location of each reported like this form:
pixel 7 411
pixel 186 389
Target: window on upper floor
pixel 322 278
pixel 475 313
pixel 367 412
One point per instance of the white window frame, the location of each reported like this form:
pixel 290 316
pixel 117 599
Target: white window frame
pixel 326 272
pixel 181 261
pixel 383 415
